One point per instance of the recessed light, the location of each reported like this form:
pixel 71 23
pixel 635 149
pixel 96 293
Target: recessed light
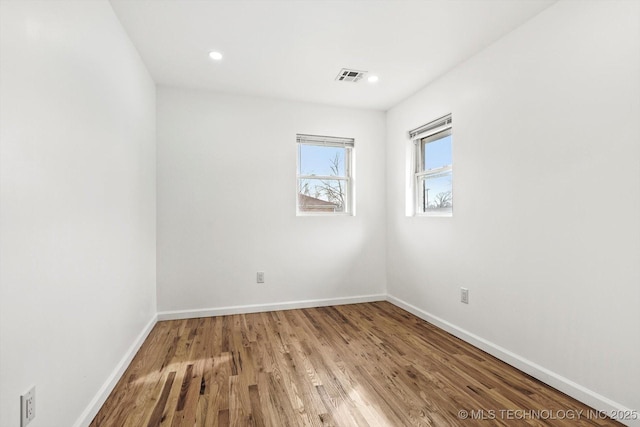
pixel 372 79
pixel 216 56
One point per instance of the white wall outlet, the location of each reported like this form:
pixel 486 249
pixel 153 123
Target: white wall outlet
pixel 464 295
pixel 27 407
pixel 260 277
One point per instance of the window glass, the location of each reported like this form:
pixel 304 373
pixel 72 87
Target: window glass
pixel 321 160
pixel 433 175
pixel 324 174
pixel 326 195
pixel 436 192
pixel 437 153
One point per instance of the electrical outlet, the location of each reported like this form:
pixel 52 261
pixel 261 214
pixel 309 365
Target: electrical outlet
pixel 27 407
pixel 260 277
pixel 464 295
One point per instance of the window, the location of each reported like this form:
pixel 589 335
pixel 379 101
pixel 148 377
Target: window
pixel 325 183
pixel 433 168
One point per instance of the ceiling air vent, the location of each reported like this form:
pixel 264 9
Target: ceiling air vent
pixel 347 75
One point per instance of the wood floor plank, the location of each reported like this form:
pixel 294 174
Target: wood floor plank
pixel 156 415
pixel 370 364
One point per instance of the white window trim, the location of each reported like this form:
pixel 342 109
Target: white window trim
pixel 443 125
pixel 329 141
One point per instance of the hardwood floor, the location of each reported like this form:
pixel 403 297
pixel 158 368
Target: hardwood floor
pixel 353 365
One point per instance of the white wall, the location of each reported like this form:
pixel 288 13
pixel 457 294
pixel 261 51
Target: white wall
pixel 227 196
pixel 77 204
pixel 546 226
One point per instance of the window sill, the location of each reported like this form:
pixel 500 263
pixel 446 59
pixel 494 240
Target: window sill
pixel 434 215
pixel 336 214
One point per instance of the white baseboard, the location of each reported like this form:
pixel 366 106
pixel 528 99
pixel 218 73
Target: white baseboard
pixel 565 385
pixel 258 308
pixel 96 403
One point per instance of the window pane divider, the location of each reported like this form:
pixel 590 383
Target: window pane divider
pixel 434 171
pixel 323 177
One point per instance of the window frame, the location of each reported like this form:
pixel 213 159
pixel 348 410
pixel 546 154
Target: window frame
pixel 348 144
pixel 432 131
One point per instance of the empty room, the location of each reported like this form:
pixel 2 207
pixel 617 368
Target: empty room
pixel 319 213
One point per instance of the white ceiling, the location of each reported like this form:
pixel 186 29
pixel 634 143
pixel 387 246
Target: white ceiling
pixel 293 49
